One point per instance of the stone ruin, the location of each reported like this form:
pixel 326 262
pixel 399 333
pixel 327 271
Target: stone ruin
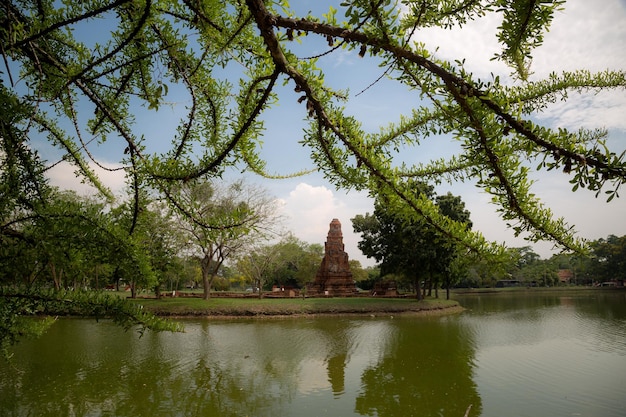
pixel 333 277
pixel 385 288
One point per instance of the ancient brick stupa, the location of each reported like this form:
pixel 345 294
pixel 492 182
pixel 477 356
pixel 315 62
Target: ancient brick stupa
pixel 334 277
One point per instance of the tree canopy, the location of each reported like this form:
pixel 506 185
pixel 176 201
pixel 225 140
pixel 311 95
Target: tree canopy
pixel 288 263
pixel 219 221
pixel 411 247
pixel 228 61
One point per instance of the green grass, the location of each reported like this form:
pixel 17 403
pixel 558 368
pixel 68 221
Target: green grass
pixel 289 306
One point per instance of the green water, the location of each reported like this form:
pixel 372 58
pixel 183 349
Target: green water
pixel 539 355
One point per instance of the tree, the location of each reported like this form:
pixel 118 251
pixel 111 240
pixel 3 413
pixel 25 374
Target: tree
pixel 256 266
pixel 47 259
pixel 391 241
pixel 290 262
pixel 68 234
pixel 609 256
pixel 523 259
pixel 408 246
pixel 372 276
pixel 220 220
pixel 158 238
pixel 68 238
pixel 359 274
pixel 151 53
pixel 53 239
pixel 232 61
pixel 448 252
pixel 297 261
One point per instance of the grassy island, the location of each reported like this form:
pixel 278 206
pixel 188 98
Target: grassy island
pixel 277 307
pixel 249 306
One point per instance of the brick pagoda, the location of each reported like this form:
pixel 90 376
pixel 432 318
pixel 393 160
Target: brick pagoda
pixel 334 277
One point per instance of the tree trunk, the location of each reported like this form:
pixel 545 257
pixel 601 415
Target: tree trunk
pixel 206 285
pixel 55 277
pixel 116 276
pixel 418 290
pixel 31 278
pixel 205 262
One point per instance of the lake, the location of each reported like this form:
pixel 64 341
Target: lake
pixel 510 354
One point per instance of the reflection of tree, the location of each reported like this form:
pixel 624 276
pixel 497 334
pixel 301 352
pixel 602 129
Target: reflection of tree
pixel 602 317
pixel 62 374
pixel 427 371
pixel 513 303
pixel 260 368
pixel 221 392
pixel 76 370
pixel 605 305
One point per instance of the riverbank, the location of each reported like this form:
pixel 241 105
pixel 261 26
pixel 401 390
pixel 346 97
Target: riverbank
pixel 294 307
pixel 536 290
pixel 233 307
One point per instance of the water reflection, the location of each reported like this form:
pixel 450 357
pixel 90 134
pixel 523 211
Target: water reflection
pixel 550 354
pixel 287 367
pixel 427 371
pixel 565 353
pixel 596 318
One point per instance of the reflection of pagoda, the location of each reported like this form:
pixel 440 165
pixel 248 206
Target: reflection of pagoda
pixel 334 277
pixel 337 373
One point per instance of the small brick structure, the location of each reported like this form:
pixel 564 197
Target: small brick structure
pixel 565 275
pixel 333 277
pixel 385 289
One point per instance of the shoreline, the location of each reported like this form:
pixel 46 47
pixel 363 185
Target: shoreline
pixel 286 312
pixel 409 313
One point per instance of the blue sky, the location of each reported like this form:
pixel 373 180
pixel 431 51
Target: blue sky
pixel 588 35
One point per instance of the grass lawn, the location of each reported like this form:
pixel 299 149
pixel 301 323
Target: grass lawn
pixel 289 306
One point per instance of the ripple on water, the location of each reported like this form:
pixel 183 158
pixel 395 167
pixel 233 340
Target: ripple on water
pixel 566 361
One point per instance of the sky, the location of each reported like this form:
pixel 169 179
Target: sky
pixel 586 35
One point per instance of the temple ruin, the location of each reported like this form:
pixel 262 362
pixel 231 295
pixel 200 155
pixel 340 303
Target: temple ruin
pixel 333 277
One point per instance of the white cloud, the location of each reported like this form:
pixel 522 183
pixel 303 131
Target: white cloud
pixel 585 35
pixel 588 110
pixel 63 175
pixel 475 42
pixel 590 36
pixel 310 209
